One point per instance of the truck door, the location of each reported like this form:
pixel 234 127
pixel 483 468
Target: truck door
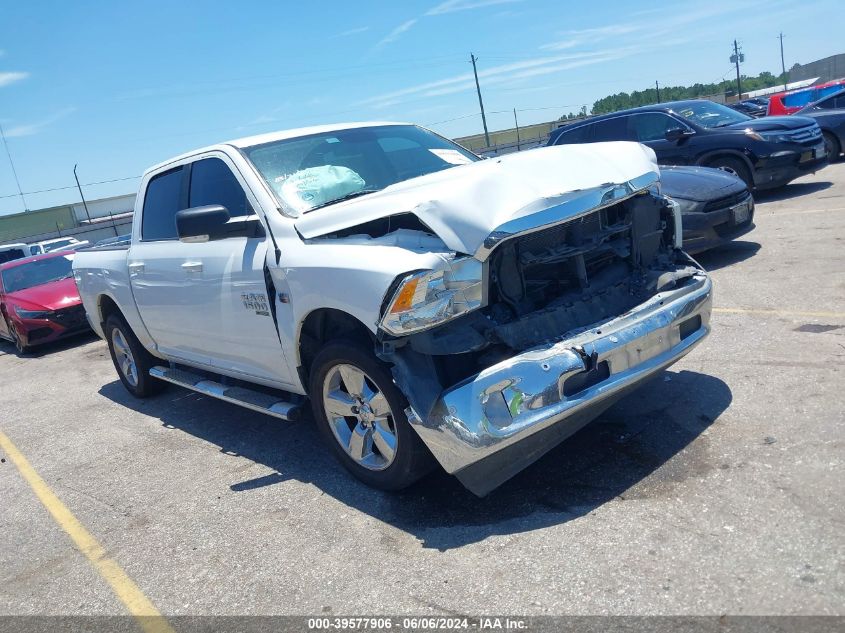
pixel 206 303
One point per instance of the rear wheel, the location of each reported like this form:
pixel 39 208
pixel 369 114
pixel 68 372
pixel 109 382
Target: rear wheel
pixel 360 414
pixel 733 166
pixel 831 144
pixel 131 360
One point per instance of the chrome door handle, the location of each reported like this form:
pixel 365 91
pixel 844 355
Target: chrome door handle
pixel 136 267
pixel 192 267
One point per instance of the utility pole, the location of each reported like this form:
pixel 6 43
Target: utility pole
pixel 736 58
pixel 782 63
pixel 473 59
pixel 14 171
pixel 84 204
pixel 657 85
pixel 516 123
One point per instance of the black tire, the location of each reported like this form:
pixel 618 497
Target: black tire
pixel 411 460
pixel 22 349
pixel 831 143
pixel 733 166
pixel 143 385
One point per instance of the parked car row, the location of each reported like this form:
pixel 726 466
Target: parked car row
pixel 9 252
pixel 765 153
pixel 792 101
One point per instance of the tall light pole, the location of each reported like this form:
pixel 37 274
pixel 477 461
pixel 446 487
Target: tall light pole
pixel 473 59
pixel 657 86
pixel 782 63
pixel 14 171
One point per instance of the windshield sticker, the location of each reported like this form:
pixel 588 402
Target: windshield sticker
pixel 451 156
pixel 255 302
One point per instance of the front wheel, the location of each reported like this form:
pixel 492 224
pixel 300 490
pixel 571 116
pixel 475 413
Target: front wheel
pixel 733 166
pixel 21 347
pixel 831 144
pixel 360 414
pixel 131 360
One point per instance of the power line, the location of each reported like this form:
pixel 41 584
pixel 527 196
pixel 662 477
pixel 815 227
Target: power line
pixel 14 171
pixel 86 184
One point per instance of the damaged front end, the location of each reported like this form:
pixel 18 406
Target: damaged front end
pixel 552 319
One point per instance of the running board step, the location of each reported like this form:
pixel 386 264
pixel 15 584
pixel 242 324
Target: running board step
pixel 255 400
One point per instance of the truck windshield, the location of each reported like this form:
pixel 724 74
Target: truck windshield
pixel 709 115
pixel 37 273
pixel 309 172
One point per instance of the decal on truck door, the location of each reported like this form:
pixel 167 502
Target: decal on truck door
pixel 256 302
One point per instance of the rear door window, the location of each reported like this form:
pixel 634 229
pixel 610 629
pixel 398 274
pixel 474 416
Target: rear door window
pixel 615 129
pixel 161 202
pixel 579 134
pixel 212 182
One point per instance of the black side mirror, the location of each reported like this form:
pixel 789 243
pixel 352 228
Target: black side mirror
pixel 677 133
pixel 212 222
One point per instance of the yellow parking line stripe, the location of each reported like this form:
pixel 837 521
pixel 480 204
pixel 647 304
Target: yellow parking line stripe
pixel 148 617
pixel 783 313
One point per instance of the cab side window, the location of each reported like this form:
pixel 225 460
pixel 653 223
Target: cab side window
pixel 161 202
pixel 212 182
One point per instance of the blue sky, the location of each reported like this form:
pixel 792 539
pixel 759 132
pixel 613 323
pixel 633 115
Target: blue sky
pixel 118 86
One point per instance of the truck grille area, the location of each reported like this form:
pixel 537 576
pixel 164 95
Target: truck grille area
pixel 547 284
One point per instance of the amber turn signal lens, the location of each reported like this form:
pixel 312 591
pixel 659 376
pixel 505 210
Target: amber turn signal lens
pixel 405 298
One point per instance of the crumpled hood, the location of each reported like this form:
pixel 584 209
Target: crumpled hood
pixel 463 205
pixel 699 184
pixel 52 296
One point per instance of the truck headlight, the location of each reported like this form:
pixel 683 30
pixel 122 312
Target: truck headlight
pixel 432 297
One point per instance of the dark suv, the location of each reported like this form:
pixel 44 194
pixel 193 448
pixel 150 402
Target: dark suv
pixel 765 153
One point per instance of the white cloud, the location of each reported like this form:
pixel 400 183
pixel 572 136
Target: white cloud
pixel 347 33
pixel 11 77
pixel 29 129
pixel 451 6
pixel 396 33
pixel 496 74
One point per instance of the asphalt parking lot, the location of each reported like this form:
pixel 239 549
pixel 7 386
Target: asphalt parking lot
pixel 717 488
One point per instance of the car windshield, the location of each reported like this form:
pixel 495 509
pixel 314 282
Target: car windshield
pixel 709 115
pixel 37 272
pixel 310 172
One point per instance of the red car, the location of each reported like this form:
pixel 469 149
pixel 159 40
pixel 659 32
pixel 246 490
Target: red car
pixel 792 101
pixel 39 302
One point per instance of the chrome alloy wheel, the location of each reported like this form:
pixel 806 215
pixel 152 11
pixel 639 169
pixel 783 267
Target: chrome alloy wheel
pixel 730 170
pixel 360 417
pixel 124 357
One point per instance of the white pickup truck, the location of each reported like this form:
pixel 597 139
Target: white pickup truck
pixel 428 303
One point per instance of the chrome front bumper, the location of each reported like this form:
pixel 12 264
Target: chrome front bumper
pixel 489 427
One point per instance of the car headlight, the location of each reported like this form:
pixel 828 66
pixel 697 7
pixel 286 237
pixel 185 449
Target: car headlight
pixel 687 206
pixel 32 314
pixel 770 137
pixel 432 297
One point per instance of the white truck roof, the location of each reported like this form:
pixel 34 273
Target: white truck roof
pixel 270 137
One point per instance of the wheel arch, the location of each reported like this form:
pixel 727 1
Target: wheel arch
pixel 321 326
pixel 710 156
